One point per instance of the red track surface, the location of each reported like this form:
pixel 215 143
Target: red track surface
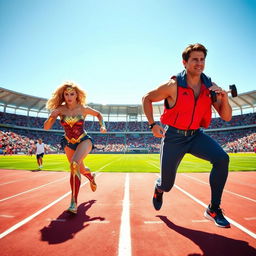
pixel 178 229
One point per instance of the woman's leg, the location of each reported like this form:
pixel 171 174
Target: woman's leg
pixel 82 150
pixel 74 181
pixel 90 176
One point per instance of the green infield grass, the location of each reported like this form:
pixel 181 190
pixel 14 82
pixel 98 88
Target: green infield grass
pixel 125 163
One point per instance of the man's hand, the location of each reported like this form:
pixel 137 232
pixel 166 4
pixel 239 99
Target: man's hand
pixel 158 131
pixel 221 94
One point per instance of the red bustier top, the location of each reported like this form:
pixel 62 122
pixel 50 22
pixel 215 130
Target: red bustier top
pixel 74 128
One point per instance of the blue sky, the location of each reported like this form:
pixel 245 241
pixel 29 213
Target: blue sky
pixel 119 50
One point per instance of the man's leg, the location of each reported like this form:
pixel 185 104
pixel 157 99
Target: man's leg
pixel 173 148
pixel 203 146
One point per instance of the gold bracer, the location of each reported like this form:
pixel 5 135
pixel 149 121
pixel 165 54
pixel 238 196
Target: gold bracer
pixel 73 140
pixel 102 123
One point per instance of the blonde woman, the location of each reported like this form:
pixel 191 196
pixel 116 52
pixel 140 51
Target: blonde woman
pixel 68 103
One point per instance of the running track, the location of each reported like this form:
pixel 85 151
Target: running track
pixel 119 220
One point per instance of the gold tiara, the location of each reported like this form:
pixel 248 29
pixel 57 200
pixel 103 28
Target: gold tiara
pixel 69 89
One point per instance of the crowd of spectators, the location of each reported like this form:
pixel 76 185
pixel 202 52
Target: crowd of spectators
pixel 124 136
pixel 242 144
pixel 14 143
pixel 139 126
pixel 240 120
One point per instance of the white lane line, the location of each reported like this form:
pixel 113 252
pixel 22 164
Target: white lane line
pixel 227 191
pixel 200 221
pixel 57 220
pixel 124 248
pixel 26 220
pixel 251 218
pixel 153 222
pixel 21 223
pixel 30 190
pixel 91 222
pixel 28 178
pixel 161 222
pixel 99 222
pixel 108 164
pixel 247 231
pixel 10 182
pixel 6 216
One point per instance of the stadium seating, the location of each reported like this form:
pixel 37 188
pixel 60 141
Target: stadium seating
pixel 18 133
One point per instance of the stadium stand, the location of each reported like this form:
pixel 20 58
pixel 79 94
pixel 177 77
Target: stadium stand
pixel 18 132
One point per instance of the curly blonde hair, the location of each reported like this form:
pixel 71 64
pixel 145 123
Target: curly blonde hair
pixel 57 98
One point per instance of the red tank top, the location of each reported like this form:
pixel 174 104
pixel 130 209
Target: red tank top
pixel 188 112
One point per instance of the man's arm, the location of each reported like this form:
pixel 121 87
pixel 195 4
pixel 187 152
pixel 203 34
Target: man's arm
pixel 162 92
pixel 222 105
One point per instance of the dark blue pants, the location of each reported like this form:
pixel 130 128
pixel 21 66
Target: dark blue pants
pixel 173 148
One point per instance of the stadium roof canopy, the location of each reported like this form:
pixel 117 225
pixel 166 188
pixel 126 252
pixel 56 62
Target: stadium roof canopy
pixel 15 102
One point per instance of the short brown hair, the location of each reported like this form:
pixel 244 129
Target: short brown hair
pixel 191 48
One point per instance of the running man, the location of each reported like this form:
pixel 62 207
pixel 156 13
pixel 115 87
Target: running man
pixel 188 106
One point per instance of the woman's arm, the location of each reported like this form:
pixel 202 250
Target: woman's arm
pixel 51 119
pixel 93 112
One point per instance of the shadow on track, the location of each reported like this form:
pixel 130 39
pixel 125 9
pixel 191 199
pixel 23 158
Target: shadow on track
pixel 67 225
pixel 212 244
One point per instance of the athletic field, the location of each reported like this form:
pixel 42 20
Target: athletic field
pixel 119 219
pixel 125 163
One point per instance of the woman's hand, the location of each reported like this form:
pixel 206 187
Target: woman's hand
pixel 103 129
pixel 55 113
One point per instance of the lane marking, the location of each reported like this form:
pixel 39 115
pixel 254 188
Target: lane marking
pixel 6 216
pixel 9 182
pixel 124 247
pixel 153 222
pixel 227 191
pixel 28 178
pixel 26 220
pixel 30 190
pixel 250 218
pixel 236 224
pixel 99 222
pixel 108 164
pixel 93 222
pixel 200 221
pixel 57 220
pixel 247 231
